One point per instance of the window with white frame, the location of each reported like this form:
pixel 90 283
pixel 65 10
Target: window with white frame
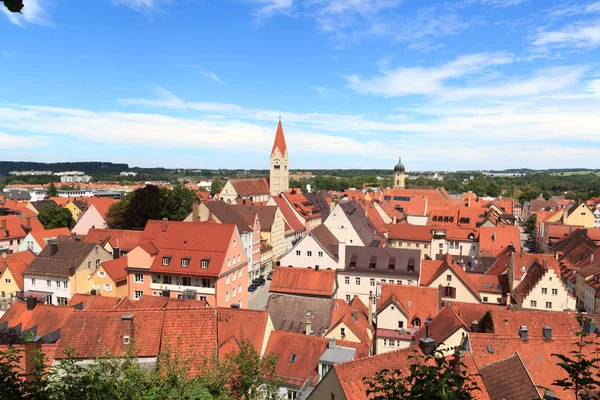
pixel 348 298
pixel 137 294
pixel 65 284
pixel 227 295
pixel 234 276
pixel 320 254
pixel 372 281
pixel 7 280
pixel 548 305
pixel 309 253
pixel 239 273
pixel 32 281
pixel 138 278
pixel 108 287
pixel 227 279
pixel 347 280
pixel 357 281
pixel 97 263
pixel 233 291
pixel 185 262
pixel 554 292
pixel 240 288
pixel 298 253
pixel 533 304
pixel 544 290
pixel 101 274
pixel 49 283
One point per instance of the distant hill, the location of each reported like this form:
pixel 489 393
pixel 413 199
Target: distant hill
pixel 90 168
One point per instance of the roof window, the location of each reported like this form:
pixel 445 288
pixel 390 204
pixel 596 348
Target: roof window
pixel 166 260
pixel 293 358
pixel 185 261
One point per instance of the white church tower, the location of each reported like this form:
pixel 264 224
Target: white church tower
pixel 279 172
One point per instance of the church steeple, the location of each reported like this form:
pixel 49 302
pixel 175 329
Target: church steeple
pixel 279 140
pixel 279 173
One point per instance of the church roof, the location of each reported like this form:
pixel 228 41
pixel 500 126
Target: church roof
pixel 399 167
pixel 279 140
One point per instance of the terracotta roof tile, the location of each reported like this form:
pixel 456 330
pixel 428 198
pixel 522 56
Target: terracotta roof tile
pixel 46 319
pixel 288 214
pixel 306 281
pixel 242 324
pixel 290 312
pixel 16 227
pixel 344 313
pixel 492 240
pixel 17 263
pixel 250 186
pixel 86 302
pixel 125 240
pixel 409 232
pixel 421 302
pixel 116 269
pixel 508 379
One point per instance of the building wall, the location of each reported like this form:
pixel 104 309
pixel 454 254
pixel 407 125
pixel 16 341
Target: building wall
pixel 423 246
pixel 582 216
pixel 492 298
pixel 279 177
pixel 8 246
pixel 240 264
pixel 339 225
pixel 454 247
pixel 29 243
pixel 453 341
pixel 75 211
pixel 337 334
pixel 590 299
pixel 278 235
pixel 559 302
pixel 90 219
pixel 98 282
pixel 57 287
pixel 80 282
pixel 228 193
pixel 328 388
pixel 139 261
pixel 362 290
pixel 389 317
pixel 8 285
pixel 463 293
pixel 304 246
pixel 384 345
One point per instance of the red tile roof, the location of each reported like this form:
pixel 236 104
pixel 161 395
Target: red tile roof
pixel 344 313
pixel 87 302
pixel 241 324
pixel 409 232
pixel 431 270
pixel 17 263
pixel 101 204
pixel 488 283
pixel 40 235
pixel 350 374
pixel 125 240
pixel 279 140
pixel 305 281
pixel 16 227
pixel 442 326
pixel 536 354
pixel 509 379
pixel 492 240
pixel 301 204
pixel 419 301
pixel 288 214
pixel 46 318
pixel 417 201
pixel 116 269
pixel 308 350
pixel 250 186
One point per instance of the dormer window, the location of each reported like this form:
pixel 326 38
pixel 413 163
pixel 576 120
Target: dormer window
pixel 204 263
pixel 185 262
pixel 166 260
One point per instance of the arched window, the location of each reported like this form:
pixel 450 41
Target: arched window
pixel 416 322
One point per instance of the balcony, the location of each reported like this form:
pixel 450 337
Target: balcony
pixel 180 288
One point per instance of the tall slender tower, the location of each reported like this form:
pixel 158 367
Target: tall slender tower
pixel 279 171
pixel 399 175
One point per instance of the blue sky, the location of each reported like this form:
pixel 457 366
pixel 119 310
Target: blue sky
pixel 456 84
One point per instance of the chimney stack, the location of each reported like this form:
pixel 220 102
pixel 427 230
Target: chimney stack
pixel 31 303
pixel 355 315
pixel 4 230
pixel 165 224
pixel 195 206
pixel 116 252
pixel 369 306
pixel 308 326
pixel 53 248
pixel 331 343
pixel 127 328
pixel 28 223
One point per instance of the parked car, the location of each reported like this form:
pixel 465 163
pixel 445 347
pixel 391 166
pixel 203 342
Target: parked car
pixel 270 276
pixel 259 281
pixel 252 287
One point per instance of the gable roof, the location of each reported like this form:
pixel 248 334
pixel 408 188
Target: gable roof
pixel 360 258
pixel 18 227
pixel 508 379
pixel 242 324
pixel 363 227
pixel 343 313
pixel 69 256
pixel 116 269
pixel 418 301
pixel 421 233
pixel 16 263
pixel 301 204
pixel 43 320
pixel 306 281
pixel 87 302
pixel 326 239
pixel 125 240
pixel 43 236
pixel 40 204
pixel 492 240
pixel 442 326
pixel 320 200
pixel 250 186
pixel 431 270
pixel 290 312
pixel 288 214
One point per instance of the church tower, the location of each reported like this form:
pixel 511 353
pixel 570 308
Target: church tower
pixel 279 171
pixel 399 175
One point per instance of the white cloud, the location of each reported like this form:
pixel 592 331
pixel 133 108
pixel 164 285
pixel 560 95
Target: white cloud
pixel 165 99
pixel 142 6
pixel 11 142
pixel 32 13
pixel 568 10
pixel 496 3
pixel 268 8
pixel 581 34
pixel 405 81
pixel 212 76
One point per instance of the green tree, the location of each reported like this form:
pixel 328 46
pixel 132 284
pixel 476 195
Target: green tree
pixel 486 323
pixel 582 370
pixel 177 203
pixel 217 186
pixel 52 217
pixel 531 223
pixel 436 377
pixel 52 191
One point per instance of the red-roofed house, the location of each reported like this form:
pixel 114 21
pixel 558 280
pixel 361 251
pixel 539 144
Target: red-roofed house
pixel 492 240
pixel 38 239
pixel 11 275
pixel 304 210
pixel 410 236
pixel 110 279
pixel 203 261
pixel 14 229
pixel 111 239
pixel 449 276
pixel 41 320
pixel 350 322
pixel 94 216
pixel 251 189
pixel 304 281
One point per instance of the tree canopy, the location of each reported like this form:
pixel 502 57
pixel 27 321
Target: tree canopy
pixel 52 217
pixel 151 202
pixel 52 191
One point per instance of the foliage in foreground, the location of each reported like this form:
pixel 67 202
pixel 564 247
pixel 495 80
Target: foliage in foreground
pixel 239 375
pixel 434 377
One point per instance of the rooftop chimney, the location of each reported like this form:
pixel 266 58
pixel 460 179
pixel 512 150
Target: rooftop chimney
pixel 4 231
pixel 28 222
pixel 53 248
pixel 371 301
pixel 589 326
pixel 195 206
pixel 474 326
pixel 116 252
pixel 127 327
pixel 355 315
pixel 427 345
pixel 544 262
pixel 165 224
pixel 31 303
pixel 331 343
pixel 308 326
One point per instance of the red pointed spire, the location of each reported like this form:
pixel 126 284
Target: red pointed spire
pixel 279 140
